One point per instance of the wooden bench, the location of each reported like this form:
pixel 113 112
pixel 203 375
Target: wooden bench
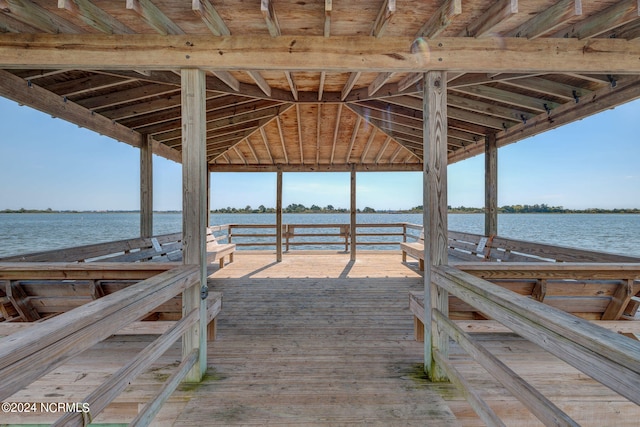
pixel 216 251
pixel 39 300
pixel 414 249
pixel 596 292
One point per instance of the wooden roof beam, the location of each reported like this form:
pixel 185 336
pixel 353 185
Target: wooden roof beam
pixel 209 15
pixel 292 84
pixel 323 76
pixel 38 17
pixel 385 14
pixel 281 133
pixel 414 166
pixel 440 20
pixel 299 125
pixel 498 13
pixel 630 31
pixel 354 135
pixel 549 88
pixel 154 17
pixel 9 24
pixel 263 134
pixel 227 78
pixel 597 101
pixel 251 149
pixel 351 81
pixel 34 96
pixel 328 8
pixel 260 81
pixel 336 129
pixel 91 83
pixel 548 19
pixel 93 16
pixel 378 82
pixel 336 54
pixel 318 133
pixel 472 79
pixel 617 15
pixel 382 150
pixel 126 96
pixel 509 98
pixel 270 17
pixel 367 146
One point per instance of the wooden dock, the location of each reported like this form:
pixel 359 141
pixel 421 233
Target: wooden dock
pixel 321 340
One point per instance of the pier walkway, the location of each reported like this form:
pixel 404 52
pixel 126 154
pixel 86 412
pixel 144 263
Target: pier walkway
pixel 316 339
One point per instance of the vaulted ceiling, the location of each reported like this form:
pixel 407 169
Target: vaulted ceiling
pixel 316 119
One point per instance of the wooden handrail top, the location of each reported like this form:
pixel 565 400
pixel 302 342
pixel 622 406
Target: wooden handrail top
pixel 81 271
pixel 547 270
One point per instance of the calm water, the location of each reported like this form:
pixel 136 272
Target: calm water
pixel 24 233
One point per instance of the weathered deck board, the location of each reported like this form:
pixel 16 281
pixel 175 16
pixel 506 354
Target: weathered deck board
pixel 302 345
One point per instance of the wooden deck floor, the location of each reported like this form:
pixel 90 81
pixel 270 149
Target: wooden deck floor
pixel 316 340
pixel 319 340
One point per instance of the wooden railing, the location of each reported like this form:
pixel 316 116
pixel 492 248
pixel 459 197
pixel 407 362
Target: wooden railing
pixel 314 235
pixel 32 352
pixel 608 357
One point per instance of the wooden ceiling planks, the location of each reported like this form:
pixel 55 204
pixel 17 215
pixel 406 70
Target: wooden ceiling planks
pixel 340 117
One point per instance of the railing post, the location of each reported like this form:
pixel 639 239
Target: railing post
pixel 279 216
pixel 435 215
pixel 352 215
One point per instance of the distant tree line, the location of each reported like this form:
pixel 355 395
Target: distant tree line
pixel 540 208
pixel 292 208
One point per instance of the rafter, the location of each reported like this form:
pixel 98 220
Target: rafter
pixel 227 78
pixel 354 135
pixel 385 14
pixel 318 133
pixel 266 143
pixel 440 20
pixel 548 20
pixel 499 12
pixel 323 76
pixel 336 129
pixel 549 87
pixel 328 8
pixel 9 24
pixel 382 150
pixel 154 17
pixel 299 125
pixel 270 17
pixel 292 84
pixel 284 147
pixel 351 81
pixel 507 97
pixel 595 102
pixel 38 17
pixel 367 146
pixel 260 81
pixel 251 149
pixel 126 96
pixel 93 16
pixel 379 81
pixel 16 89
pixel 617 15
pixel 209 15
pixel 472 79
pixel 86 84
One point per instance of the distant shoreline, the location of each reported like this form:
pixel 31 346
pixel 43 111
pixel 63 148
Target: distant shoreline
pixel 338 211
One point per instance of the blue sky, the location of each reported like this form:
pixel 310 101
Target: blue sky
pixel 48 163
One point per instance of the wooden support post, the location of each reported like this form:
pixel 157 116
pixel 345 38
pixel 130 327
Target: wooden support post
pixel 353 213
pixel 146 187
pixel 279 215
pixel 209 199
pixel 490 185
pixel 435 215
pixel 194 212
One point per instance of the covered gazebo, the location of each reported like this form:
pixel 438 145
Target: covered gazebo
pixel 293 86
